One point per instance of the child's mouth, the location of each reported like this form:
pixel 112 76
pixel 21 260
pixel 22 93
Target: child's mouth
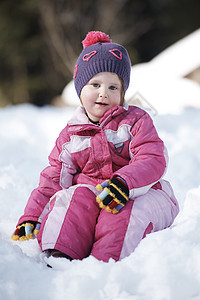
pixel 102 104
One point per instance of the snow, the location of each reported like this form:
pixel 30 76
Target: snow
pixel 165 265
pixel 183 56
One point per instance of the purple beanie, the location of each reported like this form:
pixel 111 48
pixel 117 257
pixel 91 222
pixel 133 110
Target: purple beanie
pixel 101 55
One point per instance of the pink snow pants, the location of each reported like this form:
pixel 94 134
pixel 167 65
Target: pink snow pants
pixel 76 226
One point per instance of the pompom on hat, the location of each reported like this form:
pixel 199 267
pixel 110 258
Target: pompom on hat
pixel 100 54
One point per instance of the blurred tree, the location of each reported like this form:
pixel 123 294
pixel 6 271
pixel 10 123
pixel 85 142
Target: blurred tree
pixel 41 40
pixel 20 45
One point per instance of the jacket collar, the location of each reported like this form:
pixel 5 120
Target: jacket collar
pixel 80 118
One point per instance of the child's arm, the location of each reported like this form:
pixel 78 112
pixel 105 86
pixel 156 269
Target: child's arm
pixel 49 183
pixel 148 158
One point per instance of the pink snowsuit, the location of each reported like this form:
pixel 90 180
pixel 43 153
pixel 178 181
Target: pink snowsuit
pixel 125 144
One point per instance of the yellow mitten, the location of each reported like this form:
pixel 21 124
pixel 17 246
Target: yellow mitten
pixel 26 230
pixel 114 194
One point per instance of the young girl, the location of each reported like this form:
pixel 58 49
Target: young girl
pixel 103 190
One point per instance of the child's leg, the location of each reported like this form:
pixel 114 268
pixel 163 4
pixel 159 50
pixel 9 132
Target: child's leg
pixel 69 226
pixel 110 233
pixel 117 236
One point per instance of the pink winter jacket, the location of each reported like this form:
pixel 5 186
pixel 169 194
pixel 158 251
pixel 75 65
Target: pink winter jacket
pixel 126 144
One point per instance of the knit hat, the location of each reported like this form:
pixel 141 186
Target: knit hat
pixel 101 55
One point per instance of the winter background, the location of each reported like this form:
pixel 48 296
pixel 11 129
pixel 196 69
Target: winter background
pixel 166 264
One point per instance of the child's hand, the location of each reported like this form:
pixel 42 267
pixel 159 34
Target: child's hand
pixel 114 194
pixel 26 230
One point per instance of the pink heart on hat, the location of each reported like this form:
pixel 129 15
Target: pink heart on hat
pixel 87 56
pixel 116 53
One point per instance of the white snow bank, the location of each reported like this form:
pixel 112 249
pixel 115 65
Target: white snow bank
pixel 166 264
pixel 181 58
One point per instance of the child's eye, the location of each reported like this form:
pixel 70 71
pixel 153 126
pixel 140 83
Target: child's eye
pixel 112 87
pixel 95 84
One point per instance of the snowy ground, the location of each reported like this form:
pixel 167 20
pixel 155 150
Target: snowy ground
pixel 165 266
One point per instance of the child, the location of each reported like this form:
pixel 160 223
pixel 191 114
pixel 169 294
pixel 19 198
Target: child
pixel 103 190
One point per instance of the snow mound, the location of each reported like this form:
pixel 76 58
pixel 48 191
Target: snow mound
pixel 166 264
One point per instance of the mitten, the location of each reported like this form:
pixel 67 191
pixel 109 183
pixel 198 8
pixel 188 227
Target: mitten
pixel 114 194
pixel 26 230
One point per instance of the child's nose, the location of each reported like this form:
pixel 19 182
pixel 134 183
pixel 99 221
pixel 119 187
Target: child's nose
pixel 103 92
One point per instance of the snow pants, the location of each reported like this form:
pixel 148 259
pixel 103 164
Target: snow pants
pixel 76 226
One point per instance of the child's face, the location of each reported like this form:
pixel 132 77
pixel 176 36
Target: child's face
pixel 102 92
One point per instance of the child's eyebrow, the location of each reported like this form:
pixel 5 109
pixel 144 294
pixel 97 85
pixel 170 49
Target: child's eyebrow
pixel 93 80
pixel 115 83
